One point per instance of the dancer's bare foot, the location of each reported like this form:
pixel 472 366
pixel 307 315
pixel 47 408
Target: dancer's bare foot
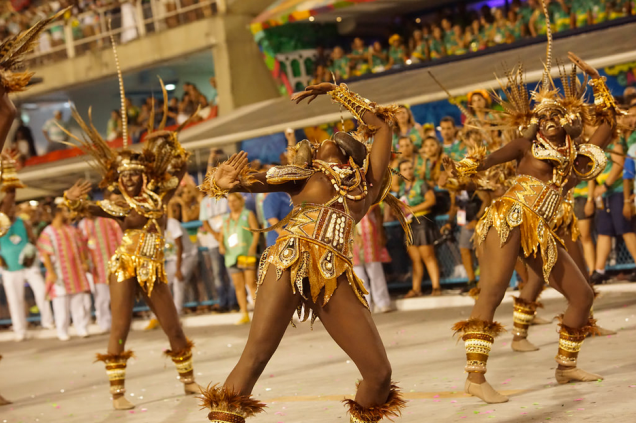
pixel 121 403
pixel 604 332
pixel 540 321
pixel 436 292
pixel 484 391
pixel 575 375
pixel 523 345
pixel 4 401
pixel 192 388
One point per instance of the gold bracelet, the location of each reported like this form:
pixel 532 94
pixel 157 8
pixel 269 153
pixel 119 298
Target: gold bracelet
pixel 354 103
pixel 72 205
pixel 216 191
pixel 603 99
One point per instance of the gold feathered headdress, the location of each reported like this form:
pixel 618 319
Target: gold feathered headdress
pixel 13 50
pixel 161 157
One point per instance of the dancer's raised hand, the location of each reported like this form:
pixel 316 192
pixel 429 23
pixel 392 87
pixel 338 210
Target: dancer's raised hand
pixel 227 173
pixel 313 91
pixel 78 191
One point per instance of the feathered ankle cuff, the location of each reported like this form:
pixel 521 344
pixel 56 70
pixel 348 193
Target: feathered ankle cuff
pixel 391 408
pixel 570 341
pixel 116 370
pixel 183 362
pixel 478 336
pixel 229 407
pixel 523 315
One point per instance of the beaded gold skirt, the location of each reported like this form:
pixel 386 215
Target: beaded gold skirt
pixel 140 256
pixel 529 204
pixel 564 221
pixel 316 245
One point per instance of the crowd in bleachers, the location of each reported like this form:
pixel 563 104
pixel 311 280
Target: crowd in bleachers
pixel 88 19
pixel 459 31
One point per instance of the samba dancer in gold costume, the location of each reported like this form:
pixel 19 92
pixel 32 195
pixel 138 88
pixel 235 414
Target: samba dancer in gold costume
pixel 332 185
pixel 549 162
pixel 12 51
pixel 146 180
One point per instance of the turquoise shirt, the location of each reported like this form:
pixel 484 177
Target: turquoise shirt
pixel 12 244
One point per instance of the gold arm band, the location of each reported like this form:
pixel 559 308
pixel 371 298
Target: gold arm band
pixel 354 103
pixel 603 99
pixel 75 205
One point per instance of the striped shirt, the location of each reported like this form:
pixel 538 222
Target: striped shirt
pixel 102 237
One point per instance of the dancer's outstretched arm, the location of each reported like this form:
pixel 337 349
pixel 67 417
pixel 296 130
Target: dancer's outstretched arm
pixel 514 150
pixel 75 198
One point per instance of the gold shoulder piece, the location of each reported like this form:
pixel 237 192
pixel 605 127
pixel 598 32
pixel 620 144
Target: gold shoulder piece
pixel 281 174
pixel 114 209
pixel 598 160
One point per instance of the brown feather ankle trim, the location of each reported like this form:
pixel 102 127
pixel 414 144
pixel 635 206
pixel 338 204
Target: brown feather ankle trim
pixel 221 399
pixel 111 357
pixel 475 325
pixel 391 408
pixel 178 354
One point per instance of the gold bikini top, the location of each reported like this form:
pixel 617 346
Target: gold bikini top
pixel 564 158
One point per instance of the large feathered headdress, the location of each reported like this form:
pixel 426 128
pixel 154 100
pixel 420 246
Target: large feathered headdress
pixel 161 156
pixel 13 50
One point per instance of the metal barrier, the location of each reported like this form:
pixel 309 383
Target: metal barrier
pixel 88 31
pixel 447 255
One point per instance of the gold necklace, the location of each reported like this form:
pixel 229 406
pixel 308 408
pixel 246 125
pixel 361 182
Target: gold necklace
pixel 338 184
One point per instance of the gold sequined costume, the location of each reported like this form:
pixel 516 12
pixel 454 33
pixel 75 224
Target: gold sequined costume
pixel 316 244
pixel 565 219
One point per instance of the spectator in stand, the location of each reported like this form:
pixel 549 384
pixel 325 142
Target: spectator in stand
pixel 487 31
pixel 404 125
pixel 620 8
pixel 516 28
pixel 238 244
pixel 182 257
pixel 23 143
pixel 416 194
pixel 560 15
pixel 20 266
pixel 418 47
pixel 102 237
pixel 128 21
pixel 198 101
pixel 378 57
pixel 476 42
pixel 358 58
pixel 407 151
pixel 449 34
pixel 132 111
pixel 64 255
pixel 114 126
pixel 611 210
pixel 459 45
pixel 173 111
pixel 453 147
pixel 339 63
pixel 186 108
pixel 397 52
pixel 211 216
pixel 431 154
pixel 276 206
pixel 53 131
pixel 581 13
pixel 214 97
pixel 369 252
pixel 502 33
pixel 436 46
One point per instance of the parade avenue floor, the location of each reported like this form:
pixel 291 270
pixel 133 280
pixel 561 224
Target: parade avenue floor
pixel 53 381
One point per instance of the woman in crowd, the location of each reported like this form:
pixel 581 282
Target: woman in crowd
pixel 416 193
pixel 339 63
pixel 238 245
pixel 113 130
pixel 405 126
pixel 418 47
pixel 406 151
pixel 431 153
pixel 436 46
pixel 378 58
pixel 397 52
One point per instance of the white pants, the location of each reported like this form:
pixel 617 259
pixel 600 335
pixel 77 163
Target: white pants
pixel 72 306
pixel 102 306
pixel 372 275
pixel 14 289
pixel 188 265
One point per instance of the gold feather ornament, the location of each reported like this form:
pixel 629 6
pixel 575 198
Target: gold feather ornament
pixel 15 48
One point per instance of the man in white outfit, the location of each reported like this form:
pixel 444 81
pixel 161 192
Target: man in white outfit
pixel 64 255
pixel 20 265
